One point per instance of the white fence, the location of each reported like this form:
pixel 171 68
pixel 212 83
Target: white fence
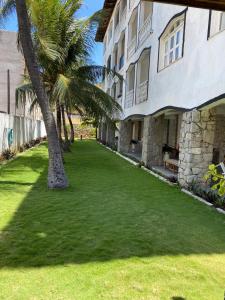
pixel 19 131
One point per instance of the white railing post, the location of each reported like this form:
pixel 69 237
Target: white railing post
pixel 142 92
pixel 132 47
pixel 145 30
pixel 129 99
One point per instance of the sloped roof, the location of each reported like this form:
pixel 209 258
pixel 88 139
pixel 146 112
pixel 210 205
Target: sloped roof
pixel 108 8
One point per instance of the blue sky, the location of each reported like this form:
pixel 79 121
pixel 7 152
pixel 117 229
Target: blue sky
pixel 88 8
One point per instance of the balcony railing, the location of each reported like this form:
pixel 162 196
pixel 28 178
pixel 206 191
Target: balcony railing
pixel 129 99
pixel 132 47
pixel 145 30
pixel 131 4
pixel 142 92
pixel 117 32
pixel 123 18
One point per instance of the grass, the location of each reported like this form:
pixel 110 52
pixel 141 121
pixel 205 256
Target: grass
pixel 116 233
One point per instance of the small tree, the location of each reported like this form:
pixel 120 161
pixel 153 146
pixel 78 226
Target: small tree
pixel 217 179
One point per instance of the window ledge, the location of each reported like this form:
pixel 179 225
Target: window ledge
pixel 215 34
pixel 159 70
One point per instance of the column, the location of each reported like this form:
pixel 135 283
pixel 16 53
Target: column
pixel 153 141
pixel 125 135
pixel 196 145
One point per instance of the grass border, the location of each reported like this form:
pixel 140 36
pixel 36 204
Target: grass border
pixel 183 190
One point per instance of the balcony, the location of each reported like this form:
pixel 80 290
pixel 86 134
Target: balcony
pixel 129 99
pixel 123 18
pixel 145 30
pixel 142 92
pixel 132 47
pixel 121 62
pixel 132 2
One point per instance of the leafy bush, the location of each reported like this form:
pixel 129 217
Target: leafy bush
pixel 217 179
pixel 8 154
pixel 208 194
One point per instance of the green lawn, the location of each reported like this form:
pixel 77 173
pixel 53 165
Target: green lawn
pixel 116 233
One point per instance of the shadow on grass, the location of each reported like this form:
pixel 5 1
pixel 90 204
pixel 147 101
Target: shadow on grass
pixel 111 211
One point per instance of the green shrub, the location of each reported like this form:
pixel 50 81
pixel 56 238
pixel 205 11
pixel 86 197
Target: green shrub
pixel 8 154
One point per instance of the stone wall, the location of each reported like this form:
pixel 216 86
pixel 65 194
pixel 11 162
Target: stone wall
pixel 125 135
pixel 219 140
pixel 153 140
pixel 103 132
pixel 110 135
pixel 196 145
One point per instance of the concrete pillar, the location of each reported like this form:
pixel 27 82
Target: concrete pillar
pixel 196 145
pixel 153 141
pixel 125 136
pixel 110 135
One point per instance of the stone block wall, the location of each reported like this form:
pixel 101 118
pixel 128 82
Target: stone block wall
pixel 102 132
pixel 153 140
pixel 219 139
pixel 125 136
pixel 110 135
pixel 196 145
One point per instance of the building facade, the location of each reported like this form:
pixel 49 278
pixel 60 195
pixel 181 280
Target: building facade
pixel 173 92
pixel 18 125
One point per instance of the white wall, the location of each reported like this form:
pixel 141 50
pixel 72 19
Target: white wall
pixel 24 130
pixel 192 80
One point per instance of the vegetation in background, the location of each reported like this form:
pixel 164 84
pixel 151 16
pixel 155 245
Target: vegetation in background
pixel 217 179
pixel 64 45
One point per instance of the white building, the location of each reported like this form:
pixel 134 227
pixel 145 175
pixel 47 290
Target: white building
pixel 173 94
pixel 24 124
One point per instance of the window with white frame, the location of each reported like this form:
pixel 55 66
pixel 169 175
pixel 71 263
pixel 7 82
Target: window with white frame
pixel 110 32
pixel 171 42
pixel 117 17
pixel 217 22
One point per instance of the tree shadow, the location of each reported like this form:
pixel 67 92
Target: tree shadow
pixel 111 211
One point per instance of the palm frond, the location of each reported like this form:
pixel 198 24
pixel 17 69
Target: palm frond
pixel 6 9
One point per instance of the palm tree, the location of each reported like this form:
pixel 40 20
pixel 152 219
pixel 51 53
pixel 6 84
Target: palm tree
pixel 63 47
pixel 56 174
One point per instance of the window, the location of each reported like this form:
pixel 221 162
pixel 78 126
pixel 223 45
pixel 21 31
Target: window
pixel 122 50
pixel 217 22
pixel 171 42
pixel 109 64
pixel 115 59
pixel 123 6
pixel 117 17
pixel 110 32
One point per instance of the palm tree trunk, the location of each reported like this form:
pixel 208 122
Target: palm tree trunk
pixel 66 143
pixel 56 173
pixel 72 133
pixel 59 121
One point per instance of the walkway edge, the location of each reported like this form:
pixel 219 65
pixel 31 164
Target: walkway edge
pixel 219 210
pixel 203 201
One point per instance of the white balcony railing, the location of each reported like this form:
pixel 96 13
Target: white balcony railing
pixel 146 30
pixel 131 4
pixel 123 18
pixel 142 92
pixel 129 100
pixel 117 32
pixel 132 47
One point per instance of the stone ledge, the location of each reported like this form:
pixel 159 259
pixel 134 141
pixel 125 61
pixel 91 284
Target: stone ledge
pixel 121 155
pixel 158 176
pixel 203 201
